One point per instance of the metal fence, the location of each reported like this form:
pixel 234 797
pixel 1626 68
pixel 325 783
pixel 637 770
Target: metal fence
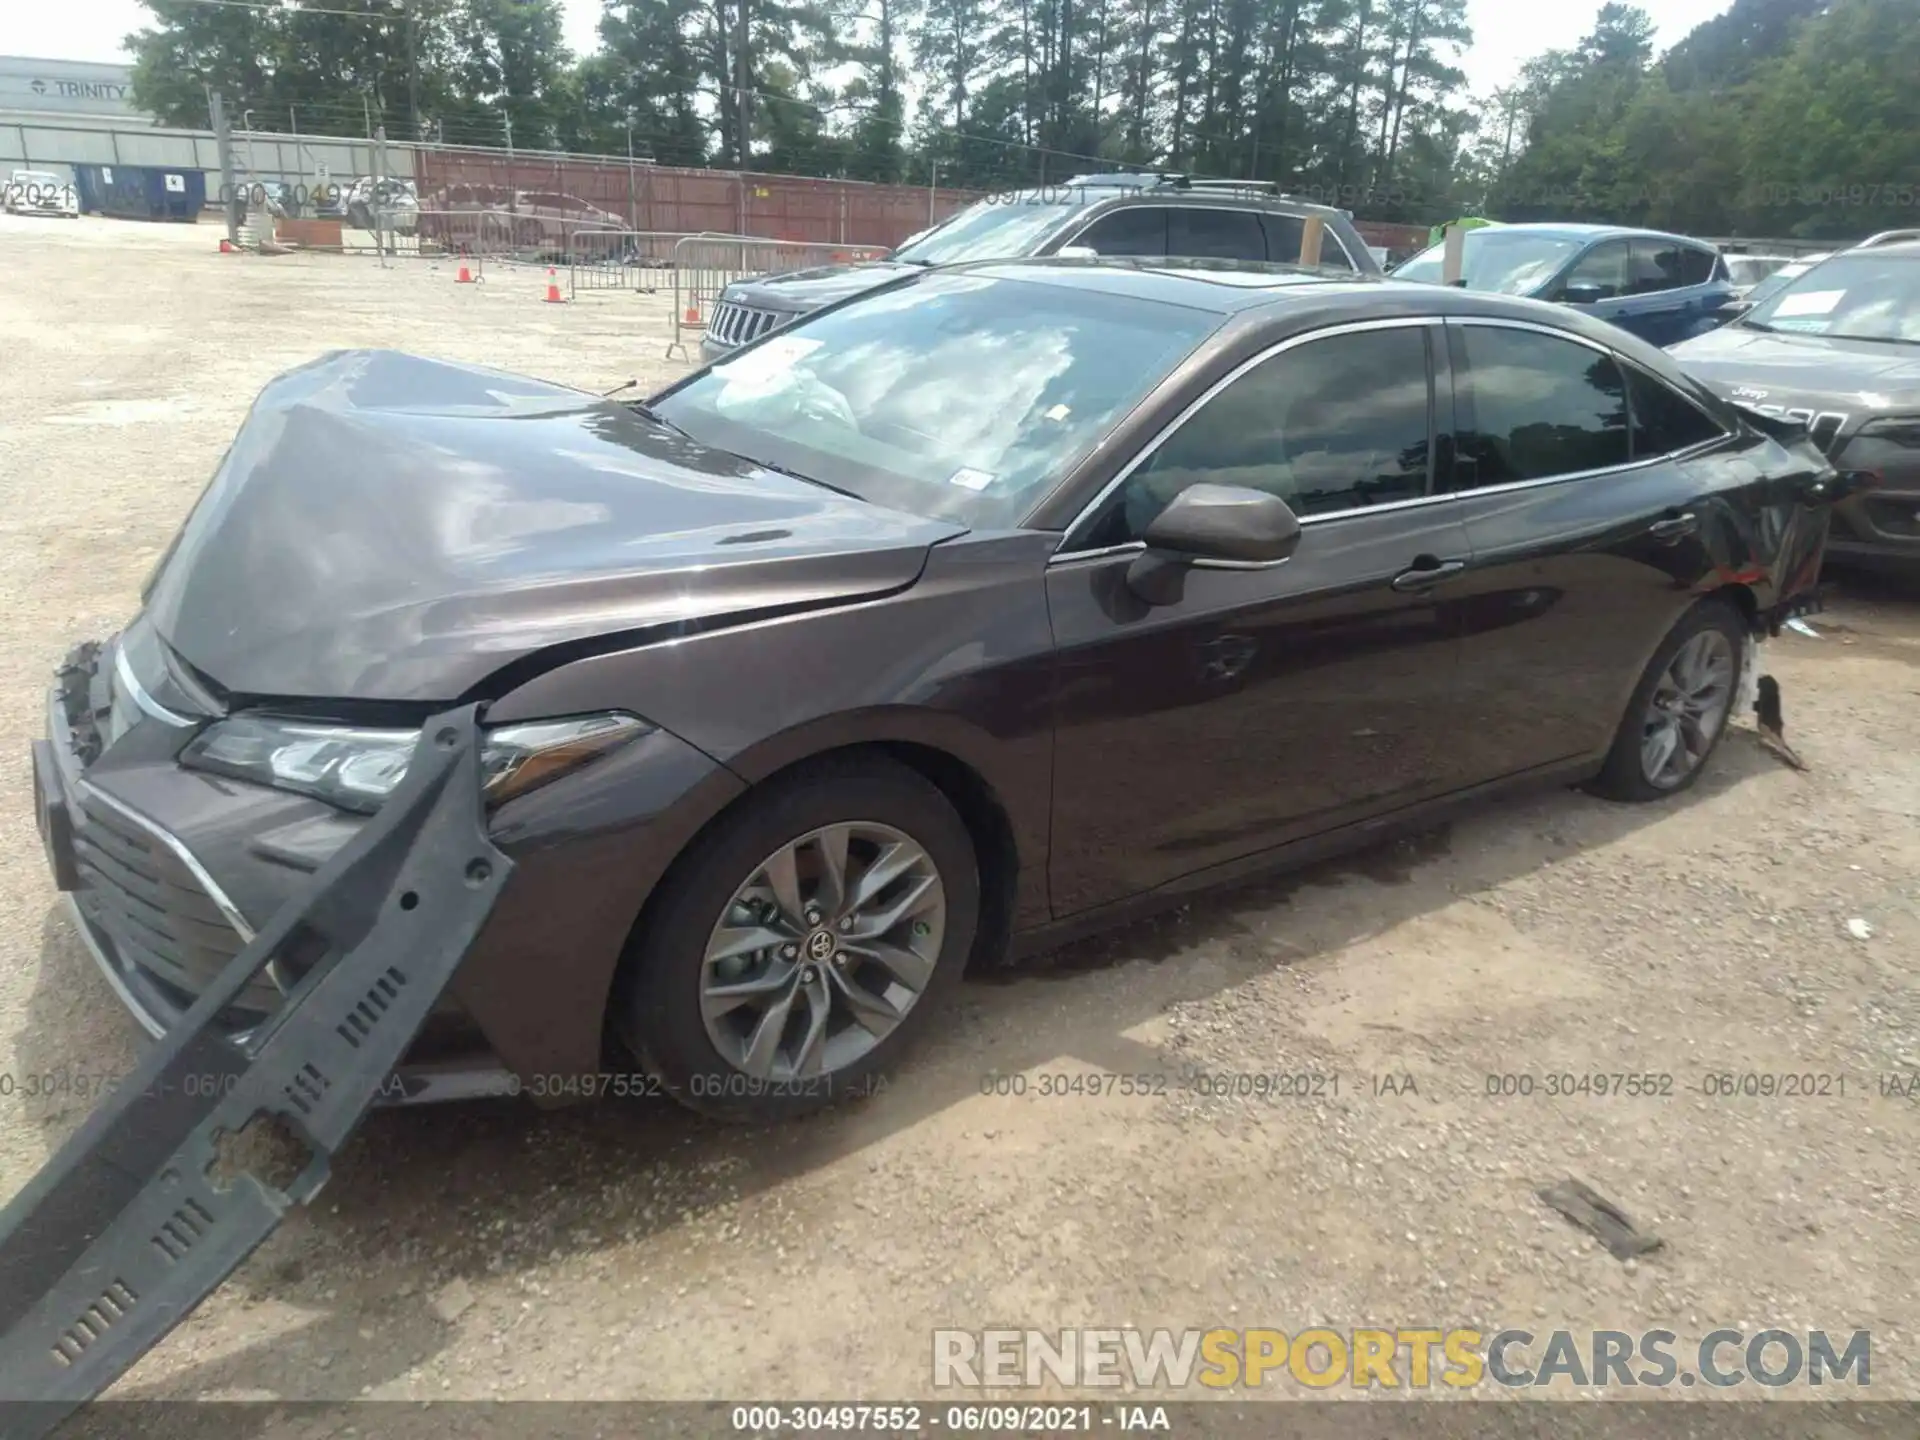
pixel 704 265
pixel 609 260
pixel 635 195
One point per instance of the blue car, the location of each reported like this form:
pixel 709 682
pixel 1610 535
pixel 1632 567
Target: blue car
pixel 1663 288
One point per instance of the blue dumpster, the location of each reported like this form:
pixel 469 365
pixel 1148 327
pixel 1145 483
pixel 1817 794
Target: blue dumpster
pixel 141 192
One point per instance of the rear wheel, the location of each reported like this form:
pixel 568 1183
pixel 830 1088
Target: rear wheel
pixel 801 944
pixel 1680 708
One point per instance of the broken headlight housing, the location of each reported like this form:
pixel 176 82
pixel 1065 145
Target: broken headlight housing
pixel 357 769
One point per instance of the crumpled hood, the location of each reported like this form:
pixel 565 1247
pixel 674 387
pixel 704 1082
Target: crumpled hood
pixel 386 527
pixel 1788 369
pixel 800 291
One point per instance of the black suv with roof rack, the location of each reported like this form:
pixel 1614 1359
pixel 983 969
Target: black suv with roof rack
pixel 1153 216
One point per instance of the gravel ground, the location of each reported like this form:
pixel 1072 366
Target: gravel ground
pixel 633 1251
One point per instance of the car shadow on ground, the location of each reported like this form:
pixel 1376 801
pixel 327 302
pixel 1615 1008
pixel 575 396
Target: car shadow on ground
pixel 417 1199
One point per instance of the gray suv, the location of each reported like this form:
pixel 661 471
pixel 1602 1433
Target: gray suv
pixel 1134 215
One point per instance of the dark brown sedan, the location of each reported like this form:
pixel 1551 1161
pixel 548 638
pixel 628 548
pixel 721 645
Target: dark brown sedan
pixel 1001 602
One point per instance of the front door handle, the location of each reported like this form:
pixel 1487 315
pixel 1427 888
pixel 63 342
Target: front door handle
pixel 1674 527
pixel 1425 577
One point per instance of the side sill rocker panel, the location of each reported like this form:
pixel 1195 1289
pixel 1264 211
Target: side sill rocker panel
pixel 126 1229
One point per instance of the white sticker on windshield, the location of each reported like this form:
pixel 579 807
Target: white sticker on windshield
pixel 1058 413
pixel 1813 302
pixel 778 354
pixel 971 479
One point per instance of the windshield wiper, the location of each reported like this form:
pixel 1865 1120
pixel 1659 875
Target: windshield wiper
pixel 793 474
pixel 1875 339
pixel 647 412
pixel 1759 325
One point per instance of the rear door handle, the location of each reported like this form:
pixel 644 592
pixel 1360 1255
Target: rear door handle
pixel 1674 527
pixel 1425 577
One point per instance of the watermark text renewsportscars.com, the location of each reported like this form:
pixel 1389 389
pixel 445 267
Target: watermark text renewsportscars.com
pixel 1397 1358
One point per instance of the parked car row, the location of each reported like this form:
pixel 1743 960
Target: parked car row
pixel 1105 215
pixel 1669 290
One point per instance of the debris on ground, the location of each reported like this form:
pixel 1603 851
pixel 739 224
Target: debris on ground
pixel 1600 1217
pixel 1772 724
pixel 1859 929
pixel 1801 627
pixel 454 1300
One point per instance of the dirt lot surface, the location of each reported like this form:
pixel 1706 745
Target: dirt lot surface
pixel 633 1251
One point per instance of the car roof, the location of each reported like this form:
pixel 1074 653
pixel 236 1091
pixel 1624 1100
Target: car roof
pixel 1903 248
pixel 1571 231
pixel 1223 287
pixel 1233 287
pixel 1115 191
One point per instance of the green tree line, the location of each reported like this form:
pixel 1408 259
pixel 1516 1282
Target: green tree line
pixel 1778 117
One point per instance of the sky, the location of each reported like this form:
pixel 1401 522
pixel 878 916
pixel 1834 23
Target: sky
pixel 1507 32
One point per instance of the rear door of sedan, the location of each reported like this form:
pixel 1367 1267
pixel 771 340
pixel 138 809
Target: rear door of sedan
pixel 1265 703
pixel 1587 487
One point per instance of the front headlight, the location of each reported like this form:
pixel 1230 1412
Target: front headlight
pixel 357 769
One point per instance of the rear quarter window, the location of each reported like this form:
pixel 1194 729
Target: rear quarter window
pixel 1698 267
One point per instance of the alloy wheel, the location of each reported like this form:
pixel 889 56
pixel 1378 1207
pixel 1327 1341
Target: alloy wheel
pixel 822 951
pixel 1689 705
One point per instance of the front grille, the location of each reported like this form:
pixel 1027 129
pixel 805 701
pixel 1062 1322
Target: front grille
pixel 1825 430
pixel 737 324
pixel 158 915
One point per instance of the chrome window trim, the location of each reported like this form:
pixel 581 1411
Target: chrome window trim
pixel 185 856
pixel 1063 555
pixel 1399 322
pixel 1160 202
pixel 1500 322
pixel 123 671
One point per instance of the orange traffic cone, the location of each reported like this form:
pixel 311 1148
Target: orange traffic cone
pixel 554 297
pixel 465 277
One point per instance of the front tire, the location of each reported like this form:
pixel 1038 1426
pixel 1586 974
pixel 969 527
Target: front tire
pixel 1680 708
pixel 799 946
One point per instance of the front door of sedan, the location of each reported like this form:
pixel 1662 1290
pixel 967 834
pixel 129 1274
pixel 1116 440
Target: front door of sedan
pixel 1262 704
pixel 1586 486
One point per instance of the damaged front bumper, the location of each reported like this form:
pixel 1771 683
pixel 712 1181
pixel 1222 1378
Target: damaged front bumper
pixel 155 919
pixel 131 1224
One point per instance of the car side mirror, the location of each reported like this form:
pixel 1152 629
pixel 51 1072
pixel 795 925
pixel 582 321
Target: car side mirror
pixel 1583 294
pixel 1218 524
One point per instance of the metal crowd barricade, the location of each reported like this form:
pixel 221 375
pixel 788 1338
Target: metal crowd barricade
pixel 472 237
pixel 704 265
pixel 607 260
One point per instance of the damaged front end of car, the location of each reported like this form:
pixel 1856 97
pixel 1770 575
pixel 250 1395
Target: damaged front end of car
pixel 147 1208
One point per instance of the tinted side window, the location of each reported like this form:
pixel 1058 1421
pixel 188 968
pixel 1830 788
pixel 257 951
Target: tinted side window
pixel 1665 421
pixel 1655 266
pixel 1215 234
pixel 1283 238
pixel 1335 424
pixel 1140 230
pixel 1697 267
pixel 1540 407
pixel 1604 267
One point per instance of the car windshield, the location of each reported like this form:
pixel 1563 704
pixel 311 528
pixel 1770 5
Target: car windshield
pixel 997 228
pixel 962 396
pixel 1512 262
pixel 1752 269
pixel 1862 295
pixel 1778 281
